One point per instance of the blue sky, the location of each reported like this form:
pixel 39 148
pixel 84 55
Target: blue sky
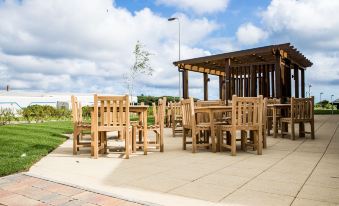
pixel 87 46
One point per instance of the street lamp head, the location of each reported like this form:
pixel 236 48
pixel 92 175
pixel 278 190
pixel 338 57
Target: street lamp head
pixel 172 19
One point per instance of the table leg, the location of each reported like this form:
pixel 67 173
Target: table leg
pixel 275 122
pixel 145 131
pixel 301 129
pixel 212 131
pixel 140 122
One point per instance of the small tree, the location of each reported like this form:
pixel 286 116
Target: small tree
pixel 141 66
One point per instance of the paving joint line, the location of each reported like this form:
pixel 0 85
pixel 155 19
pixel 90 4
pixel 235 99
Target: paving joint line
pixel 291 152
pixel 308 177
pixel 207 174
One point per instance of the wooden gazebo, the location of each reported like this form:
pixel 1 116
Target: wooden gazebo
pixel 263 71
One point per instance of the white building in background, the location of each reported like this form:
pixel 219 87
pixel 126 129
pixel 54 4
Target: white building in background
pixel 15 100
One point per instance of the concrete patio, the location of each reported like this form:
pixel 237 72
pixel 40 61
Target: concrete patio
pixel 300 172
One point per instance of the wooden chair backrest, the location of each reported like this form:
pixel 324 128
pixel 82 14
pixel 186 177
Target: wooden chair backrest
pixel 188 118
pixel 155 114
pixel 76 110
pixel 176 110
pixel 111 111
pixel 204 117
pixel 161 111
pixel 273 101
pixel 267 101
pixel 247 111
pixel 302 108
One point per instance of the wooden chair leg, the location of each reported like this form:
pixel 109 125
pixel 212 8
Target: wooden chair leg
pixel 184 139
pixel 301 129
pixel 292 131
pixel 75 146
pixel 259 142
pixel 264 140
pixel 194 140
pixel 127 140
pixel 269 127
pixel 220 139
pixel 161 140
pixel 312 129
pixel 95 145
pixel 134 137
pixel 233 143
pixel 243 140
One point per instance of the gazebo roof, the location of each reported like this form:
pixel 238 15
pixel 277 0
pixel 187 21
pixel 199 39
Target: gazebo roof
pixel 256 56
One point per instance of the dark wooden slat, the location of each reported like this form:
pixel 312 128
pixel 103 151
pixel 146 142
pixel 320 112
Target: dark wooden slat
pixel 302 79
pixel 278 84
pixel 205 86
pixel 296 81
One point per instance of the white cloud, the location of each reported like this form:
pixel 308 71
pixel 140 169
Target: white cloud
pixel 313 27
pixel 197 6
pixel 87 45
pixel 250 34
pixel 312 23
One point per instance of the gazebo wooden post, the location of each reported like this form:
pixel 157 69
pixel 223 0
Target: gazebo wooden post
pixel 302 79
pixel 241 82
pixel 267 82
pixel 301 125
pixel 185 84
pixel 222 87
pixel 278 85
pixel 227 80
pixel 272 80
pixel 296 80
pixel 206 86
pixel 253 77
pixel 288 82
pixel 261 85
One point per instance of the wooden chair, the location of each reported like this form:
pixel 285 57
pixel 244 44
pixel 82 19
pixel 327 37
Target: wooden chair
pixel 157 128
pixel 111 113
pixel 302 111
pixel 78 126
pixel 168 115
pixel 269 114
pixel 190 124
pixel 176 115
pixel 246 116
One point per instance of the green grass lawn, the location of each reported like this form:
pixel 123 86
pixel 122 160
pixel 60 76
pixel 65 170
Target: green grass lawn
pixel 24 144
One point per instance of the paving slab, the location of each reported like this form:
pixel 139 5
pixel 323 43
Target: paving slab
pixel 288 173
pixel 22 190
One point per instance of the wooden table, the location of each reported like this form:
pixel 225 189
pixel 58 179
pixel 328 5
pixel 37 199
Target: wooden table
pixel 275 108
pixel 211 110
pixel 141 110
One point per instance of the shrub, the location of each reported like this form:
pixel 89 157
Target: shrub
pixel 86 112
pixel 40 113
pixel 6 116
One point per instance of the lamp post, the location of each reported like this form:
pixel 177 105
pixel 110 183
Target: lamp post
pixel 173 19
pixel 309 90
pixel 321 93
pixel 332 103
